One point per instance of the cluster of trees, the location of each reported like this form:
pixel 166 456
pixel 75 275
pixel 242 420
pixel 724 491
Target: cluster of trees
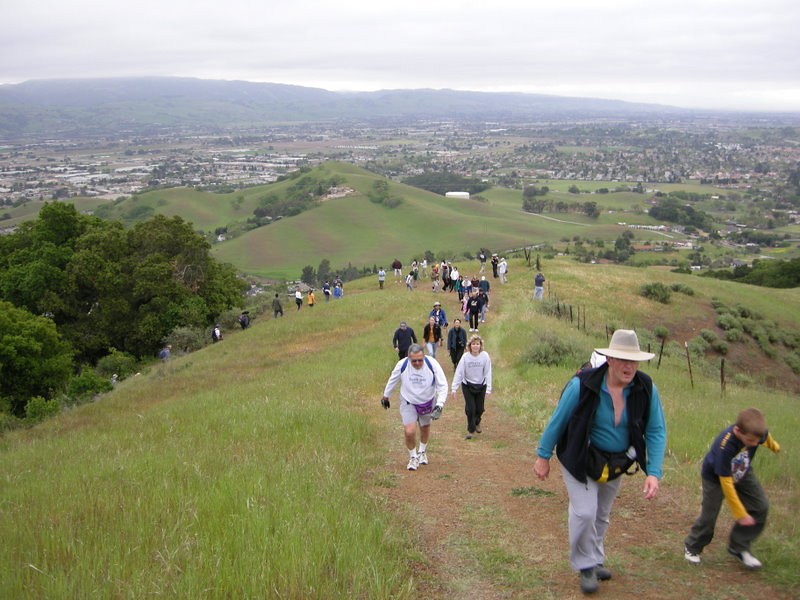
pixel 325 273
pixel 443 182
pixel 301 195
pixel 74 287
pixel 672 209
pixel 534 201
pixel 766 273
pixel 379 194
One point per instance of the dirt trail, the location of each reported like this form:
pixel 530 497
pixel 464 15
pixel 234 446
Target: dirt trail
pixel 489 530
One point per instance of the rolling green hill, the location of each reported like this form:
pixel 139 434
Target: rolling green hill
pixel 354 230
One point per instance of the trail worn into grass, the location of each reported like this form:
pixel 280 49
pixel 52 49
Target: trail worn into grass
pixel 487 529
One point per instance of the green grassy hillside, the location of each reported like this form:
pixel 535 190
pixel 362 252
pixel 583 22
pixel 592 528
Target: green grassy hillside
pixel 257 467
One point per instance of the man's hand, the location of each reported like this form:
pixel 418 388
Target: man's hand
pixel 650 487
pixel 542 468
pixel 385 402
pixel 437 412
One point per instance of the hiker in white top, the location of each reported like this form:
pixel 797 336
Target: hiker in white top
pixel 423 393
pixel 474 375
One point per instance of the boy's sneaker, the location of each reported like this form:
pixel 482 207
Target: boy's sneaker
pixel 413 463
pixel 588 579
pixel 423 458
pixel 690 556
pixel 747 559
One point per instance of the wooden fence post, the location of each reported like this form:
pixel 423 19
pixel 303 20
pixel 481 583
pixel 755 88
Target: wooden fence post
pixel 689 361
pixel 722 376
pixel 661 353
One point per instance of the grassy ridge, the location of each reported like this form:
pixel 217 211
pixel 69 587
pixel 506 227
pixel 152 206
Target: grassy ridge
pixel 354 230
pixel 248 469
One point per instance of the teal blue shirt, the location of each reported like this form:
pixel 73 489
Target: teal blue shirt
pixel 604 433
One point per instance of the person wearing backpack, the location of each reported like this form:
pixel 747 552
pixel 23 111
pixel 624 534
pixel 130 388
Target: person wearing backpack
pixel 423 393
pixel 608 422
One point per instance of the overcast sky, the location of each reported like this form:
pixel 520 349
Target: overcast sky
pixel 727 54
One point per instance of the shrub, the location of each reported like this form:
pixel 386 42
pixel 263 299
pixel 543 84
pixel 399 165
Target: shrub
pixel 121 363
pixel 793 360
pixel 9 422
pixel 742 379
pixel 750 326
pixel 734 335
pixel 660 332
pixel 747 313
pixel 551 350
pixel 38 409
pixel 720 346
pixel 187 339
pixel 790 339
pixel 682 288
pixel 656 291
pixel 84 386
pixel 708 335
pixel 728 321
pixel 698 346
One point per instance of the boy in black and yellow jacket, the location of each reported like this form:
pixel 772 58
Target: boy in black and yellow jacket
pixel 727 473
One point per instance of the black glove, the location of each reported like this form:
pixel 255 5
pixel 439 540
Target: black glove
pixel 437 412
pixel 385 402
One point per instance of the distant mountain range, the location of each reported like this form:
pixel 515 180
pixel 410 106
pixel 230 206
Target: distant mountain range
pixel 91 107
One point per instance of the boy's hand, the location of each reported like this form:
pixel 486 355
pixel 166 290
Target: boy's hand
pixel 746 521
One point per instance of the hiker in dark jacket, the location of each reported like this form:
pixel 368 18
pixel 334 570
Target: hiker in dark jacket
pixel 456 341
pixel 403 337
pixel 608 421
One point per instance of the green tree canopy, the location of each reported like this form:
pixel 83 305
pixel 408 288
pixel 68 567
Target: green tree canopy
pixel 106 286
pixel 34 360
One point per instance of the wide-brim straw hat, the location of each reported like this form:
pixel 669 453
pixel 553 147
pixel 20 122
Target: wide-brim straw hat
pixel 625 345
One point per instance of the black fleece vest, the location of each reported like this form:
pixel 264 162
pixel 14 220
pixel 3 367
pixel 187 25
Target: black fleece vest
pixel 573 447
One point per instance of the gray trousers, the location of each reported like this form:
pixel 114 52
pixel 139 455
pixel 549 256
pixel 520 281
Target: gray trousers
pixel 589 513
pixel 755 501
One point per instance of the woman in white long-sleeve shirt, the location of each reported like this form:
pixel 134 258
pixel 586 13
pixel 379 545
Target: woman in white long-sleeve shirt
pixel 474 375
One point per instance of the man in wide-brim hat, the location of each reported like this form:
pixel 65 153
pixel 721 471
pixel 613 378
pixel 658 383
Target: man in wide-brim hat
pixel 605 417
pixel 438 313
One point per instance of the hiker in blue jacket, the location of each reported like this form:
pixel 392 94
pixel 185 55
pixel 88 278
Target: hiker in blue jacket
pixel 609 421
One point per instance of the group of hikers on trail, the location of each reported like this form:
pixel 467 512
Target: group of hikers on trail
pixel 608 422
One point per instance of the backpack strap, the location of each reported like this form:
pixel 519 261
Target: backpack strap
pixel 427 362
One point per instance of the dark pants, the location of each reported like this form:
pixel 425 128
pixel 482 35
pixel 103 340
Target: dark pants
pixel 473 320
pixel 755 501
pixel 474 397
pixel 401 354
pixel 455 355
